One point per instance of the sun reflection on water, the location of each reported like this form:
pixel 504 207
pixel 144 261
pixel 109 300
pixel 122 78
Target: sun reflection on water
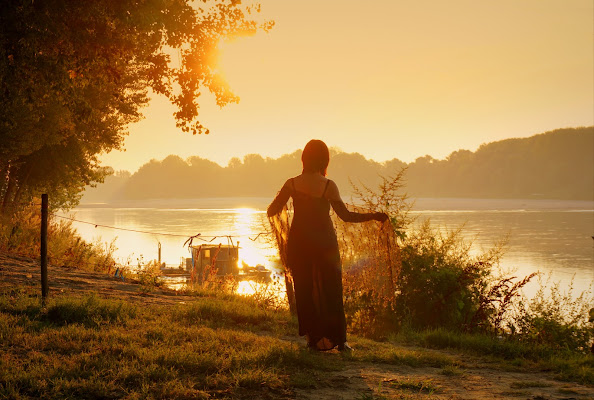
pixel 272 292
pixel 248 222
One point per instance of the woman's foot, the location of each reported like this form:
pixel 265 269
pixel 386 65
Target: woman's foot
pixel 345 348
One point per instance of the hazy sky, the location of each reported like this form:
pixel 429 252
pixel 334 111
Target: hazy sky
pixel 389 79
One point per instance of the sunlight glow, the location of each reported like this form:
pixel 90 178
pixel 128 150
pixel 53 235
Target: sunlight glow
pixel 246 288
pixel 271 292
pixel 246 223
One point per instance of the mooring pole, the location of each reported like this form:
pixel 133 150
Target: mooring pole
pixel 159 254
pixel 44 285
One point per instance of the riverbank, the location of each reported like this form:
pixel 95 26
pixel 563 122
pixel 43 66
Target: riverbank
pixel 101 337
pixel 418 204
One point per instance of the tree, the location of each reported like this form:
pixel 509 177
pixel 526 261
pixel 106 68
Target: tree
pixel 74 75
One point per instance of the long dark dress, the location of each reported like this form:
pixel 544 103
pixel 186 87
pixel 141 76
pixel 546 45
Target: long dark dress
pixel 314 262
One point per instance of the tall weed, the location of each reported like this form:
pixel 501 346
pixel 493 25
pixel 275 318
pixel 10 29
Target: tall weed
pixel 20 234
pixel 555 317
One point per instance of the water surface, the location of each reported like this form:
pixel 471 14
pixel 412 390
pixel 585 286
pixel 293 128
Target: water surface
pixel 554 237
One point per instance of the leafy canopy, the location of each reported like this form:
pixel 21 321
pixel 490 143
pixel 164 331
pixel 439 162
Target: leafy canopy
pixel 74 74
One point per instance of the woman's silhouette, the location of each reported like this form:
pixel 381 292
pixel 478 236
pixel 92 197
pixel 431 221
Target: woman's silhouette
pixel 312 251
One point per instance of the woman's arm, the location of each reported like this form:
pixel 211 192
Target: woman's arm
pixel 280 200
pixel 333 195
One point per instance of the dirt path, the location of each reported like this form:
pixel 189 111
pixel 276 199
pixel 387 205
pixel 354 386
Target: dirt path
pixel 477 379
pixel 373 381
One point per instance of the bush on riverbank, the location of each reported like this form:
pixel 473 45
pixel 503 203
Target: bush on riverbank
pixel 401 278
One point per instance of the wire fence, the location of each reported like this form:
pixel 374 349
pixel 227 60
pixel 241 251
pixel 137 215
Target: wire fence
pixel 199 236
pixel 65 260
pixel 105 263
pixel 205 238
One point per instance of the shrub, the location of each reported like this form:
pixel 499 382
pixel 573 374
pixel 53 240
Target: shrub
pixel 555 318
pixel 419 278
pixel 371 258
pixel 441 284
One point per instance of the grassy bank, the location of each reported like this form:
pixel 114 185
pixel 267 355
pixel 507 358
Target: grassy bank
pixel 509 353
pixel 89 347
pixel 211 346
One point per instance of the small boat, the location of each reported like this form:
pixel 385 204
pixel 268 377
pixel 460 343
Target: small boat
pixel 225 259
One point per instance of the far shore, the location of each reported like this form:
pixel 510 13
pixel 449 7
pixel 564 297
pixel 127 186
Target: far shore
pixel 419 204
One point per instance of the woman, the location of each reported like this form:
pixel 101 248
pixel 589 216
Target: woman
pixel 312 250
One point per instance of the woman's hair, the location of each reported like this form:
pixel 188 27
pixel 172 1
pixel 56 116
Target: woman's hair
pixel 315 157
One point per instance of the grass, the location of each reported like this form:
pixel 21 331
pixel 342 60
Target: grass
pixel 384 352
pixel 215 346
pixel 414 385
pixel 512 354
pixel 567 391
pixel 19 235
pixel 236 312
pixel 88 347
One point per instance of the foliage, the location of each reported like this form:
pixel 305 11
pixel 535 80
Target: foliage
pixel 147 274
pixel 396 276
pixel 266 293
pixel 421 278
pixel 555 164
pixel 555 318
pixel 20 234
pixel 371 252
pixel 74 74
pixel 442 284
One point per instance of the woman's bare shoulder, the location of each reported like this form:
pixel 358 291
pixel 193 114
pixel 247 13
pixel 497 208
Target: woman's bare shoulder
pixel 290 182
pixel 332 192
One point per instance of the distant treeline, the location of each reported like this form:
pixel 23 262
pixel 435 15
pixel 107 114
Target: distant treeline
pixel 553 165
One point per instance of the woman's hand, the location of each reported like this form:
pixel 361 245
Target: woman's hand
pixel 381 217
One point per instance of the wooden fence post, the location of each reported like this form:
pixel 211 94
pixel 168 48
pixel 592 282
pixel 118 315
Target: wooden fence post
pixel 44 284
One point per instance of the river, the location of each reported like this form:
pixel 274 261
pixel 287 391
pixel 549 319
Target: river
pixel 550 236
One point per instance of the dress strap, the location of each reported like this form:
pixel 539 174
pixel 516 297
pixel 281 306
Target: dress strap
pixel 293 183
pixel 325 187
